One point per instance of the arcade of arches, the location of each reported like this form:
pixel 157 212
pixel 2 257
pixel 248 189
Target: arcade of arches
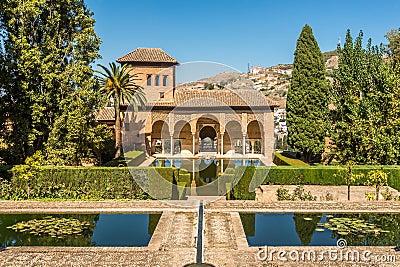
pixel 219 134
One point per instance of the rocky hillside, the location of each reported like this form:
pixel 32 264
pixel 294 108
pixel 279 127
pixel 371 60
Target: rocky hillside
pixel 273 81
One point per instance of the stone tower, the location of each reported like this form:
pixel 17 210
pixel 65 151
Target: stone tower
pixel 155 72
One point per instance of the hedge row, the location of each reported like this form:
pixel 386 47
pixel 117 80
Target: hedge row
pixel 95 183
pixel 291 175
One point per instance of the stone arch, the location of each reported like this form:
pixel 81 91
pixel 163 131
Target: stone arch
pixel 254 137
pixel 208 139
pixel 159 134
pixel 183 137
pixel 233 137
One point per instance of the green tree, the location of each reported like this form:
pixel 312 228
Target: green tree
pixel 393 48
pixel 47 47
pixel 25 173
pixel 307 100
pixel 76 136
pixel 365 95
pixel 118 86
pixel 377 179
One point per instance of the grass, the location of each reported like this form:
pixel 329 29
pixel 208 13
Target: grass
pixel 281 160
pixel 133 158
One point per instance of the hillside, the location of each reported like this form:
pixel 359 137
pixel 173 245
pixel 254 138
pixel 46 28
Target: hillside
pixel 273 81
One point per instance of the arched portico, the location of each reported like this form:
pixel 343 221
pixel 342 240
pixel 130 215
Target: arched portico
pixel 219 133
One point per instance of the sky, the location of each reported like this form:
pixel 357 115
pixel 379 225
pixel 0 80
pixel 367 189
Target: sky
pixel 236 33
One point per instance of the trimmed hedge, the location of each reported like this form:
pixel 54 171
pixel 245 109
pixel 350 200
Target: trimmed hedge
pixel 281 160
pixel 290 175
pixel 94 183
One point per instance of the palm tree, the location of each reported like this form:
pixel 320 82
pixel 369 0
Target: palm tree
pixel 116 83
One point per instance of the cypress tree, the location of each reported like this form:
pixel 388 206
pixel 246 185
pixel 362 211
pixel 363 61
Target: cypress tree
pixel 307 100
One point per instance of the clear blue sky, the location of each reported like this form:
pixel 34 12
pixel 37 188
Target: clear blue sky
pixel 233 32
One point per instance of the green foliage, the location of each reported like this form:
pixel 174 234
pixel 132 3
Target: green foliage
pixel 85 183
pixel 5 172
pixel 281 160
pixel 298 194
pixel 283 194
pixel 209 86
pixel 241 190
pixel 393 48
pixel 46 50
pixel 319 175
pixel 50 226
pixel 348 175
pixel 118 84
pixel 26 173
pixel 307 100
pixel 377 179
pixel 366 96
pixel 76 136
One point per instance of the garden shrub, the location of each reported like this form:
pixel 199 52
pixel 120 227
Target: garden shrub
pixel 310 175
pixel 90 183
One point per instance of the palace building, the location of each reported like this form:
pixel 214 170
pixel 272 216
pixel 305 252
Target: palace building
pixel 192 123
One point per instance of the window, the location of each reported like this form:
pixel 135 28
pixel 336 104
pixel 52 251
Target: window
pixel 126 126
pixel 149 80
pixel 161 94
pixel 157 80
pixel 165 80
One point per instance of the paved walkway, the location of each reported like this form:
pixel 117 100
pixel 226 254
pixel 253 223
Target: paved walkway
pixel 174 240
pixel 334 193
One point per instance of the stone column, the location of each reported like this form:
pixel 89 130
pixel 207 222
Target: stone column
pixel 222 144
pixel 244 144
pixel 172 145
pixel 252 146
pixel 163 146
pixel 193 143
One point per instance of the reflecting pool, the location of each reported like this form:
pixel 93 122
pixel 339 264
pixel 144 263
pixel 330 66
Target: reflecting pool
pixel 114 230
pixel 321 229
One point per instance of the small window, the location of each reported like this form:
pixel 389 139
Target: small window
pixel 157 80
pixel 161 94
pixel 165 80
pixel 148 80
pixel 126 126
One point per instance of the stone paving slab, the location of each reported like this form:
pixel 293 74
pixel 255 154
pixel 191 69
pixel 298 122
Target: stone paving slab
pixel 109 206
pixel 44 256
pixel 305 206
pixel 238 258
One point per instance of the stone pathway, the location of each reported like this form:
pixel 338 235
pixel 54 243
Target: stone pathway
pixel 305 206
pixel 267 193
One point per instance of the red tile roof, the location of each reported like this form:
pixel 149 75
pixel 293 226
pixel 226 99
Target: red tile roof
pixel 147 55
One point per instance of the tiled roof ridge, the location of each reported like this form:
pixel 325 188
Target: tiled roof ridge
pixel 152 55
